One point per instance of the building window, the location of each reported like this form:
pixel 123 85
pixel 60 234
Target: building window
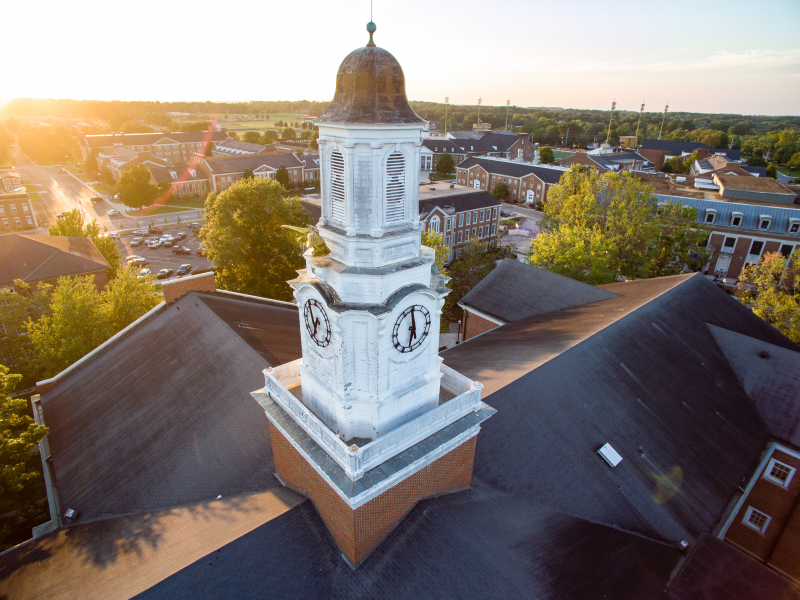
pixel 736 219
pixel 433 225
pixel 474 217
pixel 30 221
pixel 447 240
pixel 17 222
pixel 461 220
pixel 395 187
pixel 494 228
pixel 13 209
pixel 494 213
pixel 6 224
pixel 730 242
pixel 757 520
pixel 480 217
pixel 779 473
pixel 480 231
pixel 448 223
pixel 25 208
pixel 474 231
pixel 337 187
pixel 460 236
pixel 711 215
pixel 2 209
pixel 786 250
pixel 764 221
pixel 756 247
pixel 794 226
pixel 469 218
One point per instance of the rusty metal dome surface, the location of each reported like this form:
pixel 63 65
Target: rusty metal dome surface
pixel 370 88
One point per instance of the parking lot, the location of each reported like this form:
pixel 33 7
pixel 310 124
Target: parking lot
pixel 163 258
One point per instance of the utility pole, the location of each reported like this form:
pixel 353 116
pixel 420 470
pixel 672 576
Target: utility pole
pixel 662 121
pixel 508 103
pixel 613 106
pixel 446 104
pixel 636 141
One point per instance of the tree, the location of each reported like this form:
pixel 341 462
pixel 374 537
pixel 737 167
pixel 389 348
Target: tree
pixel 500 190
pixel 135 188
pixel 474 263
pixel 19 435
pixel 794 162
pixel 772 171
pixel 105 175
pixel 282 177
pixel 775 297
pixel 131 127
pixel 287 133
pixel 72 225
pixel 445 165
pixel 313 141
pixel 252 137
pixel 546 155
pixel 269 137
pixel 75 326
pixel 251 253
pixel 304 135
pixel 597 228
pixel 127 297
pixel 26 302
pixel 435 240
pixel 90 165
pixel 756 161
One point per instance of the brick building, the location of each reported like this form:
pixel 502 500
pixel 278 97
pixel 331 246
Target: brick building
pixel 184 180
pixel 174 147
pixel 222 173
pixel 461 218
pixel 526 182
pixel 498 144
pixel 310 167
pixel 607 161
pixel 660 151
pixel 742 233
pixel 16 209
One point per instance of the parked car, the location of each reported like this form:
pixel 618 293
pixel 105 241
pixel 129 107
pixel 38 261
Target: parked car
pixel 179 236
pixel 114 235
pixel 136 241
pixel 95 199
pixel 184 269
pixel 154 230
pixel 141 232
pixel 194 226
pixel 113 212
pixel 132 257
pixel 164 273
pixel 62 170
pixel 144 272
pixel 181 250
pixel 153 243
pixel 138 262
pixel 201 250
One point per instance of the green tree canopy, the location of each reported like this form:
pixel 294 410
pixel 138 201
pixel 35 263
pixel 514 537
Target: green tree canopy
pixel 500 190
pixel 756 161
pixel 105 175
pixel 135 188
pixel 18 437
pixel 90 164
pixel 445 165
pixel 436 241
pixel 282 177
pixel 546 155
pixel 775 298
pixel 252 137
pixel 772 171
pixel 248 174
pixel 26 302
pixel 597 228
pixel 794 162
pixel 313 141
pixel 72 225
pixel 287 133
pixel 251 253
pixel 269 137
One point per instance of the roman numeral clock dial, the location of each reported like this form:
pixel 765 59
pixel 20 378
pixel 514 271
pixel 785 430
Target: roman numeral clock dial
pixel 317 323
pixel 411 328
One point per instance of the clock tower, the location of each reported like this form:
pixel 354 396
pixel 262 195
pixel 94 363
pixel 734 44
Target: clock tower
pixel 370 388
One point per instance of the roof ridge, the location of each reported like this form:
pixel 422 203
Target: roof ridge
pixel 55 253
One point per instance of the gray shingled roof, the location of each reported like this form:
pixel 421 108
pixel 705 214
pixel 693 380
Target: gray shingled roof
pixel 161 418
pixel 237 164
pixel 678 147
pixel 751 213
pixel 40 257
pixel 514 169
pixel 460 202
pixel 514 291
pixel 145 139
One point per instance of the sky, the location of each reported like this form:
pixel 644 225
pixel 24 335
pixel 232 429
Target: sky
pixel 734 57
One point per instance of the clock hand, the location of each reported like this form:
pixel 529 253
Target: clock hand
pixel 316 324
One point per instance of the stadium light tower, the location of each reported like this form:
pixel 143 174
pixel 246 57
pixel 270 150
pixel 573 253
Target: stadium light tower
pixel 666 108
pixel 613 106
pixel 446 104
pixel 636 141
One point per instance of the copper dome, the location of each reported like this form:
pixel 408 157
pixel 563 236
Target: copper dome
pixel 370 88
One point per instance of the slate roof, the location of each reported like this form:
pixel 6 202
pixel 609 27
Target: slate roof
pixel 39 257
pixel 238 164
pixel 314 211
pixel 641 372
pixel 751 212
pixel 310 161
pixel 459 202
pixel 514 291
pixel 442 146
pixel 514 169
pixel 146 139
pixel 183 173
pixel 119 448
pixel 242 147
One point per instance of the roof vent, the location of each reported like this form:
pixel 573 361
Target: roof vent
pixel 610 455
pixel 763 354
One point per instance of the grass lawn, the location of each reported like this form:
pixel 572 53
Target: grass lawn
pixel 34 196
pixel 439 177
pixel 791 172
pixel 561 154
pixel 193 203
pixel 508 222
pixel 258 122
pixel 102 189
pixel 154 210
pixel 86 178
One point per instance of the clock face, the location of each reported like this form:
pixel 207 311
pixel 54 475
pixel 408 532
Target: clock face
pixel 317 323
pixel 411 328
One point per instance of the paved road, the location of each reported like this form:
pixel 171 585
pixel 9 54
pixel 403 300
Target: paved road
pixel 523 212
pixel 163 258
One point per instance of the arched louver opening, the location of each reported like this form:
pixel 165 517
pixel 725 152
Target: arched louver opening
pixel 337 186
pixel 395 187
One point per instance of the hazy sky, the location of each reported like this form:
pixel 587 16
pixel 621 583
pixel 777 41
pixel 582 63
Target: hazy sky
pixel 731 57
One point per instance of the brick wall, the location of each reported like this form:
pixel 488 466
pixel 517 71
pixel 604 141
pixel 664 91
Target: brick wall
pixel 475 325
pixel 358 531
pixel 176 288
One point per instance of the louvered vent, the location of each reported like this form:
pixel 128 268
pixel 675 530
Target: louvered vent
pixel 395 187
pixel 337 187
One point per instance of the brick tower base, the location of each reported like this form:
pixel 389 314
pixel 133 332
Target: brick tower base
pixel 358 531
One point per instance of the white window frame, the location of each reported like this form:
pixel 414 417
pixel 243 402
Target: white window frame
pixel 725 237
pixel 764 219
pixel 741 219
pixel 434 224
pixel 746 520
pixel 768 473
pixel 793 223
pixel 711 212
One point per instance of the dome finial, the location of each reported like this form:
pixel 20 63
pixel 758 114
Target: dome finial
pixel 371 27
